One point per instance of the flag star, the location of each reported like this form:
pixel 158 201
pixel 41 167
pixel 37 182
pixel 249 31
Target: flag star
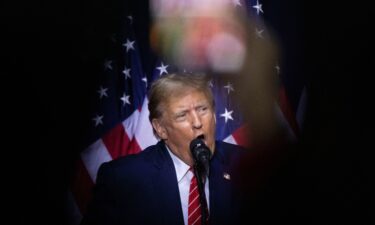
pixel 130 17
pixel 258 7
pixel 229 86
pixel 125 99
pixel 227 115
pixel 102 92
pixel 98 120
pixel 162 69
pixel 277 67
pixel 236 3
pixel 108 64
pixel 226 176
pixel 144 79
pixel 129 45
pixel 259 33
pixel 126 71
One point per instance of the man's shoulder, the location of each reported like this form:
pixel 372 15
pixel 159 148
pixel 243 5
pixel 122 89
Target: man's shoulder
pixel 231 153
pixel 230 148
pixel 135 161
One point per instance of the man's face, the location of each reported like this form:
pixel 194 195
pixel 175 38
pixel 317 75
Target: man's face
pixel 184 118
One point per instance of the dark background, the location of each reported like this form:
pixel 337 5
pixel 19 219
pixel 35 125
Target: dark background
pixel 50 49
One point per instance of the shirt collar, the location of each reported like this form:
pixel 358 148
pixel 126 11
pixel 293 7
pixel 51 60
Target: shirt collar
pixel 181 167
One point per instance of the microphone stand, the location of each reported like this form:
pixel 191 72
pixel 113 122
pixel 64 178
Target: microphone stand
pixel 200 174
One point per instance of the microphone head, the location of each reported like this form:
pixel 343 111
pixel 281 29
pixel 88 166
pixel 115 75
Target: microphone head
pixel 196 143
pixel 201 155
pixel 199 150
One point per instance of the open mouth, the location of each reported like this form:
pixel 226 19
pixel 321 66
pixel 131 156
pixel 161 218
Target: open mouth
pixel 201 136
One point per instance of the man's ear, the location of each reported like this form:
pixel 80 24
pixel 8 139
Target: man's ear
pixel 159 128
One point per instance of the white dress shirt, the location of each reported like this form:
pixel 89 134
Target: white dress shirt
pixel 183 178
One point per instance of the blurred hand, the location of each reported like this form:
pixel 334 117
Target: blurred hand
pixel 199 35
pixel 216 37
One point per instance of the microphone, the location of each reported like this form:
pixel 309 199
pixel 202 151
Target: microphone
pixel 201 155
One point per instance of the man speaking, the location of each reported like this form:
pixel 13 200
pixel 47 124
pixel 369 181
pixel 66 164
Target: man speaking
pixel 186 178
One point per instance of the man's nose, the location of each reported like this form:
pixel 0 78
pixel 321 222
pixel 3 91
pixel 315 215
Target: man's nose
pixel 196 120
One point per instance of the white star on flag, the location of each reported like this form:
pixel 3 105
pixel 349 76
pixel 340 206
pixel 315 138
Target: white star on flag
pixel 229 86
pixel 102 92
pixel 130 17
pixel 277 67
pixel 126 71
pixel 98 120
pixel 227 115
pixel 258 7
pixel 259 33
pixel 144 79
pixel 108 64
pixel 129 45
pixel 162 69
pixel 125 99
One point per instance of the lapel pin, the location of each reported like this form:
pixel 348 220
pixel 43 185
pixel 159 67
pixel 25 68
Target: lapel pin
pixel 226 176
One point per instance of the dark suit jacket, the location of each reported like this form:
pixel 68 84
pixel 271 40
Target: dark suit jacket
pixel 142 189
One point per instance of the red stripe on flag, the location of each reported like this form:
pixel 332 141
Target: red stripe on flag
pixel 287 111
pixel 134 147
pixel 118 143
pixel 242 135
pixel 82 186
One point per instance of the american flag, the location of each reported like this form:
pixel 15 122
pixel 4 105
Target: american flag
pixel 119 118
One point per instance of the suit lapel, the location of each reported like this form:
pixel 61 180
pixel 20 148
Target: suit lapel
pixel 166 188
pixel 220 190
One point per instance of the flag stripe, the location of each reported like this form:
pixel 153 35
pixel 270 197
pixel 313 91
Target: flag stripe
pixel 242 135
pixel 94 156
pixel 131 124
pixel 230 139
pixel 118 143
pixel 144 133
pixel 81 186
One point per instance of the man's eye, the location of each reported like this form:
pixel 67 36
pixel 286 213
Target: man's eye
pixel 181 116
pixel 203 109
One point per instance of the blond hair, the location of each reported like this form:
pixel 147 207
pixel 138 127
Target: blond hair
pixel 173 85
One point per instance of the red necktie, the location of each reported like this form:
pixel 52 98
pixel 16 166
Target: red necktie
pixel 194 209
